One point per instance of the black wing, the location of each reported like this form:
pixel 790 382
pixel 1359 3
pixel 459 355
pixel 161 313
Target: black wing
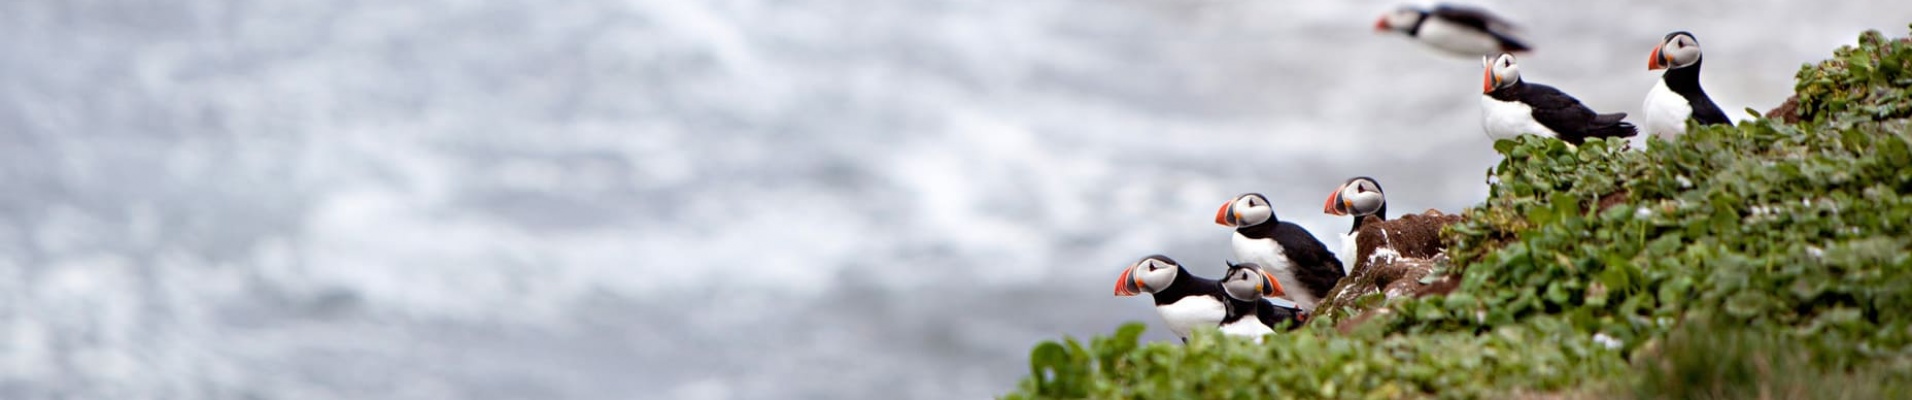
pixel 1566 116
pixel 1708 113
pixel 1484 21
pixel 1475 17
pixel 1315 266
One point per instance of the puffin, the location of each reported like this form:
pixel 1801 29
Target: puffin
pixel 1246 286
pixel 1359 197
pixel 1185 301
pixel 1304 267
pixel 1511 106
pixel 1677 96
pixel 1461 30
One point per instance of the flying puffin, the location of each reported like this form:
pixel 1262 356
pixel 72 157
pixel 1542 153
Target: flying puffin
pixel 1246 284
pixel 1461 30
pixel 1185 301
pixel 1359 197
pixel 1677 96
pixel 1304 267
pixel 1510 107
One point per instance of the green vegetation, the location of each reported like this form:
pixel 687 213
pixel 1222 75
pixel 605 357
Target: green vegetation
pixel 1764 260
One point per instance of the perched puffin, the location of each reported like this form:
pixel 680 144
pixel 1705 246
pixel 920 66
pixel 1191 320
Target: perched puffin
pixel 1246 284
pixel 1461 30
pixel 1677 96
pixel 1510 107
pixel 1249 311
pixel 1185 301
pixel 1360 197
pixel 1304 267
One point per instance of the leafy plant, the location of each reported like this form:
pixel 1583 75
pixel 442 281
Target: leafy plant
pixel 1767 259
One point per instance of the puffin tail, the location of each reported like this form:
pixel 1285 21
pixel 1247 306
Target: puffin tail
pixel 1609 119
pixel 1611 125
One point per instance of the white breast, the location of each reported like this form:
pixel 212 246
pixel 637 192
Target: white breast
pixel 1191 312
pixel 1347 256
pixel 1666 111
pixel 1268 253
pixel 1509 119
pixel 1457 39
pixel 1248 326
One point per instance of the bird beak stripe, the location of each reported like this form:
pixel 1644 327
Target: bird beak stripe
pixel 1334 205
pixel 1127 285
pixel 1222 214
pixel 1488 80
pixel 1657 60
pixel 1273 287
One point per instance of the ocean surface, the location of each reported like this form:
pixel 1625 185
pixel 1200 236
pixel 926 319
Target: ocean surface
pixel 743 199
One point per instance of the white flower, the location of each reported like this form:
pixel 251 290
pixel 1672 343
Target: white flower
pixel 1607 341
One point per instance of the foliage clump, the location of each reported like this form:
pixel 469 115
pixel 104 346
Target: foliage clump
pixel 1767 259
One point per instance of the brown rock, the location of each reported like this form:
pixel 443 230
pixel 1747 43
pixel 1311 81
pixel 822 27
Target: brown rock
pixel 1414 250
pixel 1787 111
pixel 1611 199
pixel 1411 236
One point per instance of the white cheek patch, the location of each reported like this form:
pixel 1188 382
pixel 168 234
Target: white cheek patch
pixel 1251 216
pixel 1158 279
pixel 1366 203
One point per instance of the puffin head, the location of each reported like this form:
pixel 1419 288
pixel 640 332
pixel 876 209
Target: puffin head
pixel 1401 19
pixel 1247 282
pixel 1150 274
pixel 1245 210
pixel 1360 196
pixel 1499 72
pixel 1676 50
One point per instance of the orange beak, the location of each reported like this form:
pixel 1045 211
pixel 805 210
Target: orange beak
pixel 1225 216
pixel 1272 288
pixel 1381 24
pixel 1334 205
pixel 1488 79
pixel 1657 60
pixel 1127 285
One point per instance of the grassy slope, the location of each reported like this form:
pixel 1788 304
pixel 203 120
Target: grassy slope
pixel 1766 259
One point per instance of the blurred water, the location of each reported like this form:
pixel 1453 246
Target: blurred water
pixel 703 200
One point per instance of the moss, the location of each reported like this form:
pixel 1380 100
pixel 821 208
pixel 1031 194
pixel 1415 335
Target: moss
pixel 1769 259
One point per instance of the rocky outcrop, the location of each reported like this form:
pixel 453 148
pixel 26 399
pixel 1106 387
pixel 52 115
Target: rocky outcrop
pixel 1394 258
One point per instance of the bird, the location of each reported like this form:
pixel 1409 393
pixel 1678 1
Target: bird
pixel 1677 96
pixel 1304 267
pixel 1185 301
pixel 1511 106
pixel 1246 285
pixel 1359 197
pixel 1249 311
pixel 1461 30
